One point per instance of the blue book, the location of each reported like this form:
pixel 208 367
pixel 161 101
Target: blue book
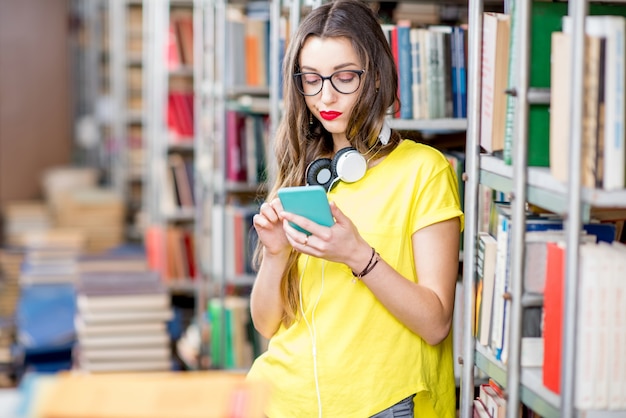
pixel 45 316
pixel 404 69
pixel 459 73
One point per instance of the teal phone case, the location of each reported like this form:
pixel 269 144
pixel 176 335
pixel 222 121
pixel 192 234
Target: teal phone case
pixel 310 202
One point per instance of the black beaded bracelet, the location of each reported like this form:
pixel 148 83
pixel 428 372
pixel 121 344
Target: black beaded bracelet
pixel 370 265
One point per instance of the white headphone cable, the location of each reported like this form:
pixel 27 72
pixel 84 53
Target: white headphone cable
pixel 313 331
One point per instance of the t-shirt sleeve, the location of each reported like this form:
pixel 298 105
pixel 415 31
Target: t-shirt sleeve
pixel 438 199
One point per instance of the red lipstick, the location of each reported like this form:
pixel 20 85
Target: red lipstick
pixel 330 115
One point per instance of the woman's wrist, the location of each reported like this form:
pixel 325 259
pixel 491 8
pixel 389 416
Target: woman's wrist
pixel 374 258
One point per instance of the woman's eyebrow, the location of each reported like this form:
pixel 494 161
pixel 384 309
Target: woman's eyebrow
pixel 305 68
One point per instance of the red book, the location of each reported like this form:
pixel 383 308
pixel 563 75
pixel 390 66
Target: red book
pixel 155 248
pixel 553 316
pixel 396 57
pixel 173 54
pixel 235 148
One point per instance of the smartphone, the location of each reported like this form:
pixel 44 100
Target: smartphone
pixel 310 202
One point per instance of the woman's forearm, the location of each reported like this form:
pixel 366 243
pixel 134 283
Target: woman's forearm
pixel 266 304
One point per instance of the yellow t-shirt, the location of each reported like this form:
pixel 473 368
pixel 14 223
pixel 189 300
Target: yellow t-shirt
pixel 366 360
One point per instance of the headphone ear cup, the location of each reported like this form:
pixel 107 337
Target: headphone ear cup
pixel 320 173
pixel 349 165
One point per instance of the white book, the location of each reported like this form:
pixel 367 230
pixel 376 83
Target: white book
pixel 500 287
pixel 84 330
pixel 108 303
pixel 489 261
pixel 129 340
pixel 126 316
pixel 126 353
pixel 617 359
pixel 126 366
pixel 587 346
pixel 424 37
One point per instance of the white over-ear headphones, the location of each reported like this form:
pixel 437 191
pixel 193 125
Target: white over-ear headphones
pixel 347 165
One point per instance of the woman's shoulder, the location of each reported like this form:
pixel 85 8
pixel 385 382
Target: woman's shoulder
pixel 412 151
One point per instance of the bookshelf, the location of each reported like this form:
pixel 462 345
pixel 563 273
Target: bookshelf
pixel 169 131
pixel 127 109
pixel 236 114
pixel 526 184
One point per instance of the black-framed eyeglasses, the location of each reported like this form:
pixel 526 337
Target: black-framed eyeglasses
pixel 344 81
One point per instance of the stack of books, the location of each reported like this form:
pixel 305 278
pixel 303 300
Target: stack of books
pixel 10 262
pixel 46 301
pixel 97 212
pixel 22 217
pixel 6 358
pixel 51 256
pixel 121 321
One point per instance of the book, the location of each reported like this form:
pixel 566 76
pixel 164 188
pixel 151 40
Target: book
pixel 553 316
pixel 487 248
pixel 183 184
pixel 441 75
pixel 459 72
pixel 183 26
pixel 494 70
pixel 424 40
pixel 617 314
pixel 123 302
pixel 405 75
pixel 120 283
pixel 114 342
pixel 236 170
pixel 256 50
pixel 131 328
pixel 590 375
pixel 417 89
pixel 45 316
pixel 560 105
pixel 235 43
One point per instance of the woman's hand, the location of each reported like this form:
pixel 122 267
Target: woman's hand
pixel 268 224
pixel 339 243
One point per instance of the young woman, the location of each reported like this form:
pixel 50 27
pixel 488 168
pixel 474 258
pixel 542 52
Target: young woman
pixel 358 314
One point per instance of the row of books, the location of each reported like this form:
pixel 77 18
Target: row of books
pixel 234 342
pixel 233 240
pixel 247 142
pixel 431 64
pixel 600 325
pixel 431 60
pixel 603 164
pixel 248 43
pixel 171 250
pixel 602 334
pixel 603 123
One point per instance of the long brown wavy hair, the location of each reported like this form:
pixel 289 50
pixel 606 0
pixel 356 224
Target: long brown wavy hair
pixel 298 142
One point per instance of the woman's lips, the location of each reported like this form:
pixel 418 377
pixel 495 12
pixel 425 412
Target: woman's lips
pixel 330 115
